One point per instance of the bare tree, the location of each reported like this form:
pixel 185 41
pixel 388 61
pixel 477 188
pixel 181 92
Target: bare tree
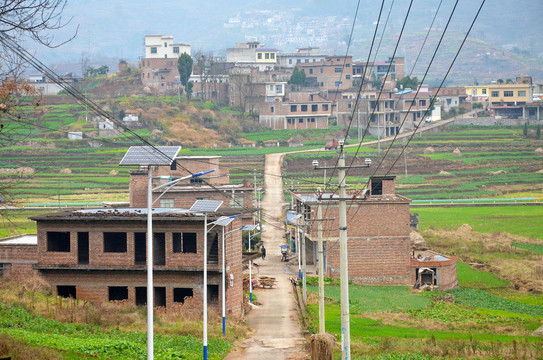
pixel 31 18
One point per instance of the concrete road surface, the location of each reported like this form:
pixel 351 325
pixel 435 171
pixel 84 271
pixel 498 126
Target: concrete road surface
pixel 277 334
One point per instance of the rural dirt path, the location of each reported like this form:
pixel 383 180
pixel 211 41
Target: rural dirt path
pixel 277 333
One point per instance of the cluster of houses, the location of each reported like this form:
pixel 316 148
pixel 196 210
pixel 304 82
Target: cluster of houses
pixel 100 255
pixel 258 79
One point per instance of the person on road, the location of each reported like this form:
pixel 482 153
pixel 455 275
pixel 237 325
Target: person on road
pixel 263 251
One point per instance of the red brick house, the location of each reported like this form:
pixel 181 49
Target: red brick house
pixel 100 255
pixel 379 246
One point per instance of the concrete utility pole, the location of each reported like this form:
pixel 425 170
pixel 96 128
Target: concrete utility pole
pixel 343 264
pixel 322 328
pixel 304 266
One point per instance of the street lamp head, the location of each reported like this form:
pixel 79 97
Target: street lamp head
pixel 315 163
pixel 341 142
pixel 367 161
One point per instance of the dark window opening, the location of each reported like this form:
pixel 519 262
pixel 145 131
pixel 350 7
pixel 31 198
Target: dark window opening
pixel 314 107
pixel 141 296
pixel 160 296
pixel 159 248
pixel 140 248
pixel 189 243
pixel 83 248
pixel 58 241
pixel 213 249
pixel 118 293
pixel 377 186
pixel 179 294
pixel 115 242
pixel 304 107
pixel 212 293
pixel 66 291
pixel 196 181
pixel 176 242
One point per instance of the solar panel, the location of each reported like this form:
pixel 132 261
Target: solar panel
pixel 249 227
pixel 223 221
pixel 149 155
pixel 206 206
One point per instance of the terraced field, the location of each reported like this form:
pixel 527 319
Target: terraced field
pixel 492 162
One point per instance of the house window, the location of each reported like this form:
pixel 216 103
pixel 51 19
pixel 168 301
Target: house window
pixel 449 101
pixel 508 93
pixel 298 61
pixel 495 94
pixel 325 107
pixel 422 102
pixel 58 241
pixel 115 242
pixel 176 49
pixel 338 83
pixel 311 71
pixel 189 243
pixel 196 180
pixel 118 293
pixel 290 61
pixel 272 109
pixel 165 56
pixel 166 203
pixel 165 44
pixel 306 60
pixel 180 294
pixel 66 291
pixel 483 91
pixel 259 56
pixel 312 120
pixel 322 70
pixel 347 65
pixel 272 56
pixel 293 108
pixel 522 93
pixel 267 55
pixel 314 107
pixel 300 120
pixel 290 121
pixel 349 105
pixel 348 77
pixel 304 107
pixel 338 70
pixel 279 89
pixel 322 84
pixel 153 50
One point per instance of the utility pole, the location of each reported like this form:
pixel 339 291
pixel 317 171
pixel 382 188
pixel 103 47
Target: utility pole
pixel 343 263
pixel 322 328
pixel 255 200
pixel 304 262
pixel 343 250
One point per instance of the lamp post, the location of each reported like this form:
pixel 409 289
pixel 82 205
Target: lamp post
pixel 205 207
pixel 150 156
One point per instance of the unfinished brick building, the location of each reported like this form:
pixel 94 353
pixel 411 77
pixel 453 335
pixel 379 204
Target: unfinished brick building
pixel 100 255
pixel 379 250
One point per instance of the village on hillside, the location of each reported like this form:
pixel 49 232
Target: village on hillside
pixel 192 233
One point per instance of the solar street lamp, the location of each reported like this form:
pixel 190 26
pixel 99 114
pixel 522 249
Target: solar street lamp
pixel 224 221
pixel 150 156
pixel 205 207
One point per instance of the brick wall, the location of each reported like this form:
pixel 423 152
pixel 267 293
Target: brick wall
pixel 18 259
pixel 378 240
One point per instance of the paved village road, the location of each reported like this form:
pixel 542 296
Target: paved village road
pixel 277 333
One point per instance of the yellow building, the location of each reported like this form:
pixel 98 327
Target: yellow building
pixel 478 93
pixel 265 55
pixel 509 94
